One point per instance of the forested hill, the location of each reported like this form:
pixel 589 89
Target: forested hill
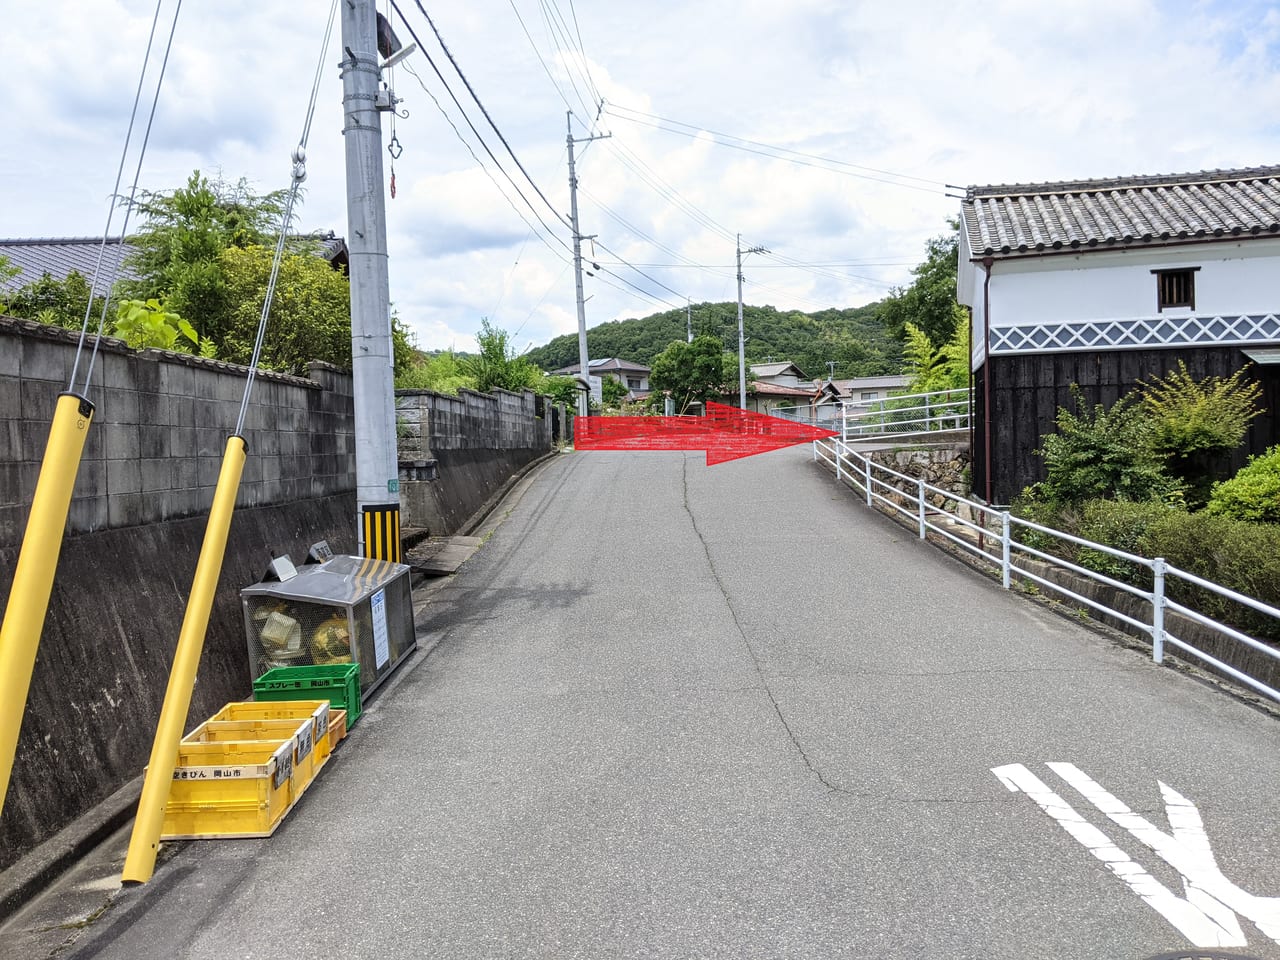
pixel 853 338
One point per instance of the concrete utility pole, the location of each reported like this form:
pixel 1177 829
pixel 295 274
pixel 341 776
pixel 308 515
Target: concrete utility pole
pixel 584 362
pixel 688 318
pixel 377 483
pixel 742 340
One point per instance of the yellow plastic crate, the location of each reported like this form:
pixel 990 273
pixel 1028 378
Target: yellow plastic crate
pixel 318 710
pixel 308 755
pixel 234 789
pixel 337 727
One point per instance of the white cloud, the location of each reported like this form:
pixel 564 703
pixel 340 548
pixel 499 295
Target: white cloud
pixel 1010 91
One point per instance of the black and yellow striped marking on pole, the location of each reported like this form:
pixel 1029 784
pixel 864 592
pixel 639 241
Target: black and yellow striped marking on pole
pixel 381 524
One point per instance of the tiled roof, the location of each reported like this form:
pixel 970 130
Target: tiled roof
pixel 611 365
pixel 778 390
pixel 58 256
pixel 1027 219
pixel 774 369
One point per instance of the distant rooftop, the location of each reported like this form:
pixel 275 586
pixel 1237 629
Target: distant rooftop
pixel 1026 219
pixel 59 256
pixel 610 365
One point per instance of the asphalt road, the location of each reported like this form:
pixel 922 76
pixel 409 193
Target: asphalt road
pixel 675 711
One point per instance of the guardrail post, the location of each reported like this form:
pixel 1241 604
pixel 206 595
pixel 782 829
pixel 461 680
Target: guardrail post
pixel 1157 609
pixel 815 449
pixel 867 463
pixel 838 446
pixel 1004 549
pixel 920 502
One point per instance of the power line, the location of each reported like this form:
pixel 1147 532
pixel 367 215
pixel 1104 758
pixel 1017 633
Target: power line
pixel 591 81
pixel 462 76
pixel 651 279
pixel 693 131
pixel 538 54
pixel 476 133
pixel 552 30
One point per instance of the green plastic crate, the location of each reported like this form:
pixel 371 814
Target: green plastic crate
pixel 339 683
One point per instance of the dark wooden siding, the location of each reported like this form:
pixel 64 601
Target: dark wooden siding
pixel 1028 389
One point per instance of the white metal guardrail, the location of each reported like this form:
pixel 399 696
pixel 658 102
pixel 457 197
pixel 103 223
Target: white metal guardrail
pixel 908 413
pixel 990 537
pixel 887 417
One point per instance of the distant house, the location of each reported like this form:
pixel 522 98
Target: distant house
pixel 59 256
pixel 859 389
pixel 831 397
pixel 1104 283
pixel 633 376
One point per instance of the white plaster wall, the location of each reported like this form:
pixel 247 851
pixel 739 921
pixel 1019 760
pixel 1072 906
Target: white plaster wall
pixel 969 280
pixel 1234 278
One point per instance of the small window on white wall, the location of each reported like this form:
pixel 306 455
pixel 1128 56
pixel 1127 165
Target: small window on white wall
pixel 1176 288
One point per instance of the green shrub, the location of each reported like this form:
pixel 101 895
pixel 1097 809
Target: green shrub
pixel 1195 424
pixel 1103 453
pixel 1242 556
pixel 1122 525
pixel 1253 493
pixel 1036 506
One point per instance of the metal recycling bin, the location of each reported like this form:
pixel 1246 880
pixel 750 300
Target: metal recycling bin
pixel 345 610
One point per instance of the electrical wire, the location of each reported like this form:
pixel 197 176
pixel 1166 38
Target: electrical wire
pixel 546 230
pixel 570 56
pixel 299 171
pixel 115 197
pixel 465 82
pixel 538 54
pixel 654 121
pixel 480 139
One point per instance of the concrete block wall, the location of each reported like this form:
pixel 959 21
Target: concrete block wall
pixel 136 525
pixel 160 426
pixel 476 442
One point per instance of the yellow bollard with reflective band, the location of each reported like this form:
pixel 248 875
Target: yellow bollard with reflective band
pixel 381 523
pixel 33 577
pixel 140 862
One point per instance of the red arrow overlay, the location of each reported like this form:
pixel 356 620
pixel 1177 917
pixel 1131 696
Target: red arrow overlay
pixel 725 433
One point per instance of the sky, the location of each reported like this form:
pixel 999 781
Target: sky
pixel 824 131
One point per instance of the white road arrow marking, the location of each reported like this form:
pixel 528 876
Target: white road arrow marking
pixel 1186 848
pixel 1200 917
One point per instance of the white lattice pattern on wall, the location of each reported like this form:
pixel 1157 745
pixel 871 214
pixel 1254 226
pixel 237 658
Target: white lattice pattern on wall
pixel 1162 331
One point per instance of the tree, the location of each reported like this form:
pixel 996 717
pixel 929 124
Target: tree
pixel 560 389
pixel 310 316
pixel 498 365
pixel 1196 424
pixel 57 302
pixel 937 368
pixel 441 372
pixel 692 372
pixel 1102 453
pixel 930 301
pixel 143 324
pixel 612 392
pixel 7 272
pixel 177 252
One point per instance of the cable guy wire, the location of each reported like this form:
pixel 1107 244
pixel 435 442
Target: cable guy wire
pixel 299 157
pixel 115 196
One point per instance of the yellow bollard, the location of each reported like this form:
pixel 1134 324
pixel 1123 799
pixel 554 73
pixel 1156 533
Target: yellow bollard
pixel 140 862
pixel 33 577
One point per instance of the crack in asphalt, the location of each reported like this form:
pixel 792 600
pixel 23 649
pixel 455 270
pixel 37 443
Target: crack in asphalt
pixel 755 659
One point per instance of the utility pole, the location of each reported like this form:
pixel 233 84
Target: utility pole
pixel 742 340
pixel 377 483
pixel 688 317
pixel 584 362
